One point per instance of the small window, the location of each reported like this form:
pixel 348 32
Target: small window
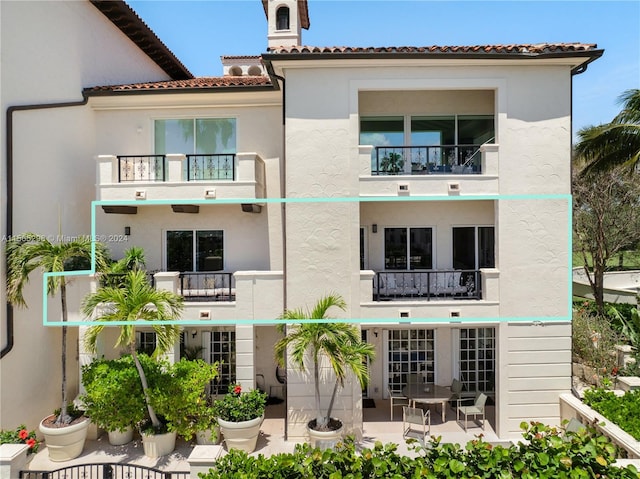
pixel 282 18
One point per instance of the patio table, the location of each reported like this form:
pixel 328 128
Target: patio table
pixel 428 394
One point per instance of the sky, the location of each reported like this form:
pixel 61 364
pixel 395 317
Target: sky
pixel 200 32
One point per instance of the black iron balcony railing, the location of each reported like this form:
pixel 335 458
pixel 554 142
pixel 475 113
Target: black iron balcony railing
pixel 141 168
pixel 427 285
pixel 207 286
pixel 218 166
pixel 424 160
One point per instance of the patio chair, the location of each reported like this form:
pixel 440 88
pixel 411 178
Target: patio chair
pixel 416 423
pixel 456 392
pixel 397 399
pixel 475 410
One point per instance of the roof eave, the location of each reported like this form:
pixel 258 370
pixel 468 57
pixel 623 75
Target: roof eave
pixel 159 91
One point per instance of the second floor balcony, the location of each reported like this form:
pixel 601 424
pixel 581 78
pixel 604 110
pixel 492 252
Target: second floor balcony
pixel 180 177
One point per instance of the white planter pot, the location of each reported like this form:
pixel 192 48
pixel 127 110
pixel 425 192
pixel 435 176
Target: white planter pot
pixel 157 445
pixel 204 438
pixel 65 443
pixel 330 436
pixel 241 435
pixel 117 438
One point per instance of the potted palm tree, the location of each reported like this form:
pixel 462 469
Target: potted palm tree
pixel 64 433
pixel 134 299
pixel 339 344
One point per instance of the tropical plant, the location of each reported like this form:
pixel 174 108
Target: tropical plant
pixel 135 300
pixel 20 435
pixel 339 343
pixel 616 143
pixel 29 252
pixel 237 406
pixel 392 163
pixel 180 397
pixel 133 260
pixel 113 399
pixel 546 452
pixel 623 411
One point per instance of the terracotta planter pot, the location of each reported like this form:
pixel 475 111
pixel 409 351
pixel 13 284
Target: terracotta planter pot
pixel 117 438
pixel 329 436
pixel 65 443
pixel 241 435
pixel 157 445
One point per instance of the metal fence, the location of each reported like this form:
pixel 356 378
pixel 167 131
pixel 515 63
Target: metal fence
pixel 427 285
pixel 141 168
pixel 105 471
pixel 211 167
pixel 425 160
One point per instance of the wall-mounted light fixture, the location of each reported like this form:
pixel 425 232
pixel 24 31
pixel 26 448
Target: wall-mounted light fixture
pixel 375 332
pixel 127 230
pixel 194 333
pixel 374 228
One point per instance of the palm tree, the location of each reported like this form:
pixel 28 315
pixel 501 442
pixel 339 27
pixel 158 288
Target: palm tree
pixel 135 300
pixel 339 343
pixel 617 143
pixel 29 252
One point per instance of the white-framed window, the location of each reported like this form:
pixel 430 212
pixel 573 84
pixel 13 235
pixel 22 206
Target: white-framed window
pixel 220 345
pixel 145 342
pixel 408 248
pixel 194 250
pixel 195 135
pixel 475 358
pixel 408 352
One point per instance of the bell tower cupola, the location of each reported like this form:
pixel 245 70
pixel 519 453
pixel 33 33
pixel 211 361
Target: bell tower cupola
pixel 286 20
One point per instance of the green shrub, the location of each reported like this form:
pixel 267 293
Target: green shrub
pixel 20 435
pixel 237 406
pixel 545 453
pixel 623 411
pixel 113 398
pixel 594 340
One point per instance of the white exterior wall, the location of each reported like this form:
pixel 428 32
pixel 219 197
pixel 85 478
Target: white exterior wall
pixel 50 52
pixel 532 111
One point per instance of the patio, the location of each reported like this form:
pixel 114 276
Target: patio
pixel 377 427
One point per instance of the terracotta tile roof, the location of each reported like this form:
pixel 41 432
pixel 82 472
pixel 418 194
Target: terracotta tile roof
pixel 201 83
pixel 524 49
pixel 123 17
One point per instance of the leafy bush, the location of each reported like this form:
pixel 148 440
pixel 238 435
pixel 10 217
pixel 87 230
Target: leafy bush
pixel 624 411
pixel 237 406
pixel 594 340
pixel 545 453
pixel 179 395
pixel 113 398
pixel 20 435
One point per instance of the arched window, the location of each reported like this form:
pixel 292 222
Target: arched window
pixel 282 18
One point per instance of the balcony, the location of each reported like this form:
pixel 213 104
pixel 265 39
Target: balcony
pixel 207 286
pixel 423 160
pixel 180 177
pixel 427 285
pixel 429 170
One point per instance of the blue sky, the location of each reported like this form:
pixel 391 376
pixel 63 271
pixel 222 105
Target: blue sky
pixel 199 32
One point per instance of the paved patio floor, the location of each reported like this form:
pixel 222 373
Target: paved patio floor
pixel 377 427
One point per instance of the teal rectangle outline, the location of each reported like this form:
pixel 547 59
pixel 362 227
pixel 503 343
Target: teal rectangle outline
pixel 197 322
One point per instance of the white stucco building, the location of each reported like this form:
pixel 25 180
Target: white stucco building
pixel 429 186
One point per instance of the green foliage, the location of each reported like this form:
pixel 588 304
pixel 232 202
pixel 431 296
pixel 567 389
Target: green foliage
pixel 339 343
pixel 545 453
pixel 179 395
pixel 624 411
pixel 392 163
pixel 594 339
pixel 237 406
pixel 20 435
pixel 113 400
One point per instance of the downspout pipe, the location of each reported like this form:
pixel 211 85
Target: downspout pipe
pixel 9 189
